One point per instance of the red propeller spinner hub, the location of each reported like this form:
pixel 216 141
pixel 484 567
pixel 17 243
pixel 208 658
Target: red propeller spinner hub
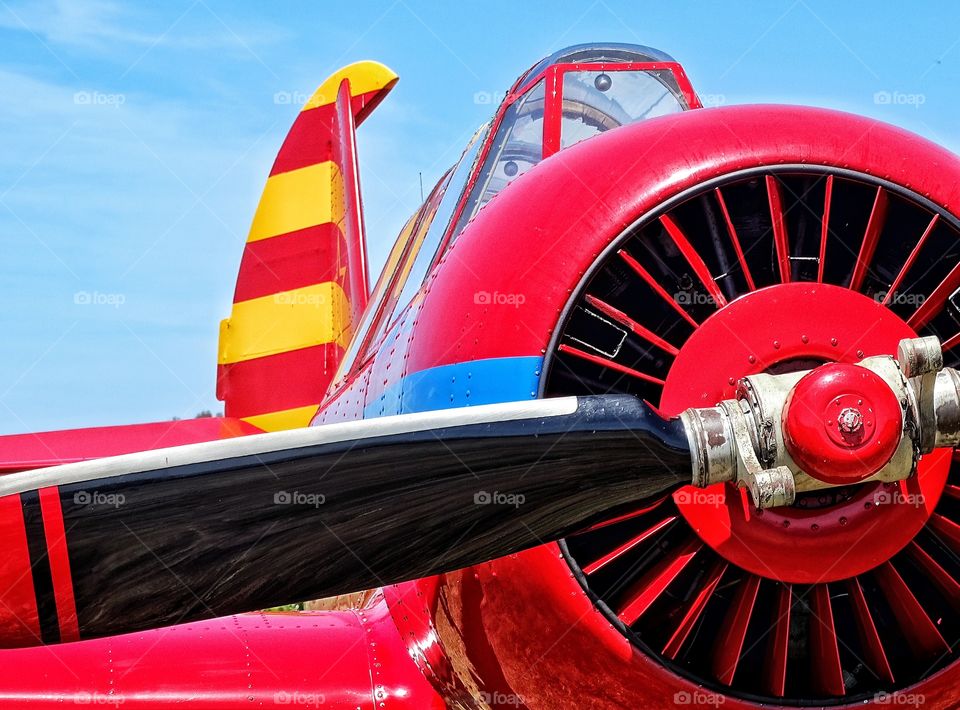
pixel 842 423
pixel 826 535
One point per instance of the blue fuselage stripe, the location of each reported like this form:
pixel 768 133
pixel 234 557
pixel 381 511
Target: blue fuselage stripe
pixel 502 379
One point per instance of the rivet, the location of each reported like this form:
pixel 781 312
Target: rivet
pixel 804 339
pixel 833 341
pixel 776 344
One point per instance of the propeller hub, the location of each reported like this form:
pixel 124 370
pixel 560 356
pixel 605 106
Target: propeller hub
pixel 842 423
pixel 827 533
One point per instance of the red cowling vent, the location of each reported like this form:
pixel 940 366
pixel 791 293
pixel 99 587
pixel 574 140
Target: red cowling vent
pixel 842 423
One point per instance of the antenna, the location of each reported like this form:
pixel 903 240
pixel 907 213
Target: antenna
pixel 421 187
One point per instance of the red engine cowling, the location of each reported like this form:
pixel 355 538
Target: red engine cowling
pixel 668 259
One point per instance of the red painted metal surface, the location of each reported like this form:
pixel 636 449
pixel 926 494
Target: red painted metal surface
pixel 729 641
pixel 775 668
pixel 877 216
pixel 630 544
pixel 56 537
pixel 607 362
pixel 825 444
pixel 648 589
pixel 825 654
pixel 552 111
pixel 694 259
pixel 732 231
pixel 655 285
pixel 925 640
pixel 867 631
pixel 780 239
pixel 694 611
pixel 824 228
pixel 344 660
pixel 895 284
pixel 947 584
pixel 19 622
pixel 947 529
pixel 935 300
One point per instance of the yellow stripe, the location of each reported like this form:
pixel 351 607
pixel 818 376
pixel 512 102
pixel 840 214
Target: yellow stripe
pixel 284 419
pixel 298 199
pixel 364 77
pixel 289 320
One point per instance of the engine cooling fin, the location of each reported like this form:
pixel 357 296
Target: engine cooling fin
pixel 747 629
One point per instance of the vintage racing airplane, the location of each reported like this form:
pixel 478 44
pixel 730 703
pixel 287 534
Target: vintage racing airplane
pixel 652 405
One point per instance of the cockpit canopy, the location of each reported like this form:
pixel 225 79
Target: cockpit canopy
pixel 572 95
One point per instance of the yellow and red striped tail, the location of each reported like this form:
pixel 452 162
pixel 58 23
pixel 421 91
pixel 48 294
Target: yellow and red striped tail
pixel 303 277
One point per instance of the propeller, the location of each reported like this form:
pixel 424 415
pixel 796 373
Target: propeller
pixel 199 531
pixel 161 537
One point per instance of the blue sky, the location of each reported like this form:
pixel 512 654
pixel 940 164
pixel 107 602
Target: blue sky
pixel 135 139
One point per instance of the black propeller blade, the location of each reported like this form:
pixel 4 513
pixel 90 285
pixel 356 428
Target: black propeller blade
pixel 198 531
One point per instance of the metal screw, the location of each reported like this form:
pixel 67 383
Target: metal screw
pixel 850 421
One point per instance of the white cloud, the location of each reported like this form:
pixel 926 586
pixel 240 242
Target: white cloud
pixel 104 24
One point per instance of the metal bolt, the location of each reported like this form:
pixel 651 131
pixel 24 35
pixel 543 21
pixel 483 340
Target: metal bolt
pixel 850 421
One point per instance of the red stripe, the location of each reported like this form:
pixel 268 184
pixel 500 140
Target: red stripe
pixel 308 141
pixel 277 382
pixel 302 258
pixel 19 622
pixel 56 536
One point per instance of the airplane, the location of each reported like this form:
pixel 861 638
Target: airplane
pixel 652 405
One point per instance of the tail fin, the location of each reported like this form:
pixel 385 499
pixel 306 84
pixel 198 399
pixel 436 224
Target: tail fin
pixel 303 277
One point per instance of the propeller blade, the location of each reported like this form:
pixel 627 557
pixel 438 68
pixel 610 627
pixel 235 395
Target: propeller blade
pixel 191 532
